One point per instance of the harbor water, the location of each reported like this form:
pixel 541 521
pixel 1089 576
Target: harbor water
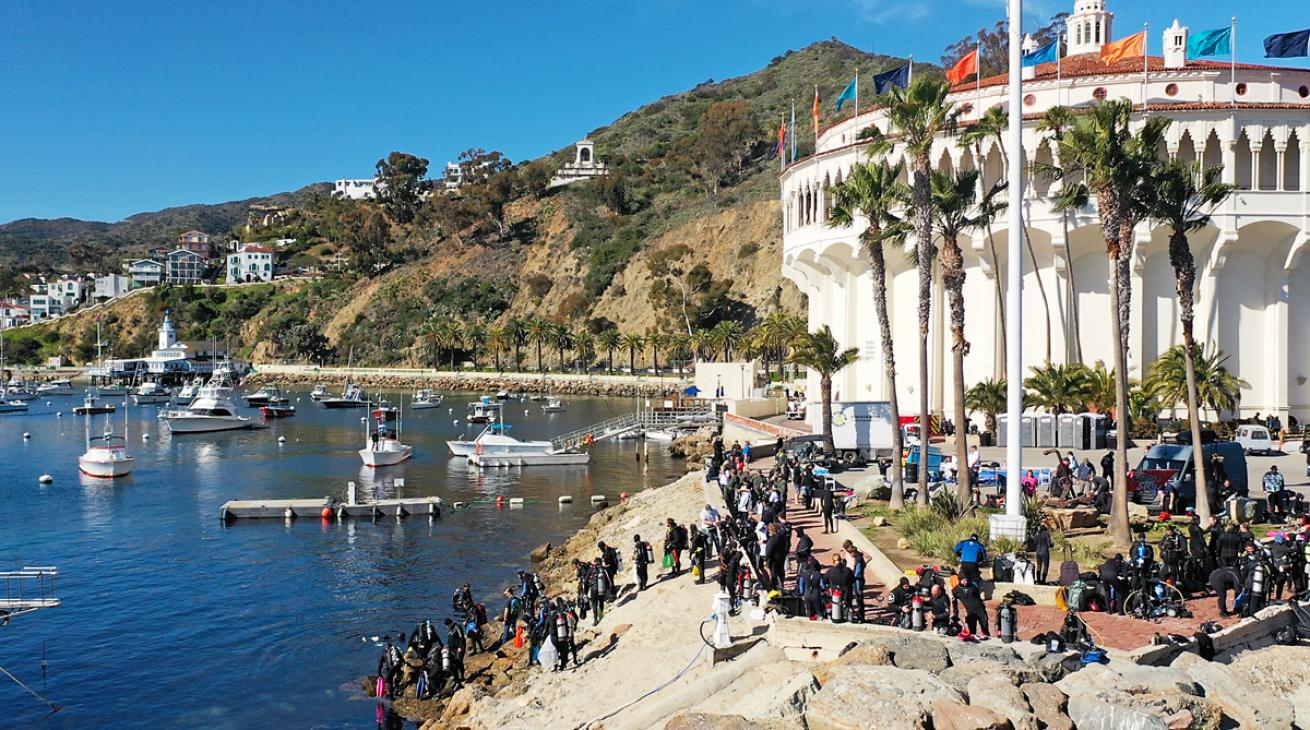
pixel 171 619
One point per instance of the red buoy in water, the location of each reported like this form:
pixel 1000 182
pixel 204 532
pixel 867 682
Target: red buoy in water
pixel 327 513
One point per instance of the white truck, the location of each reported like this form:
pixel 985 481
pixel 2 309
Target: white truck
pixel 861 430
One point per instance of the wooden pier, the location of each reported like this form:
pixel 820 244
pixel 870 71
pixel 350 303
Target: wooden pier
pixel 289 509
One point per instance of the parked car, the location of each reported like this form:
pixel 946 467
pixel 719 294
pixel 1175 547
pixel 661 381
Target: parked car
pixel 1174 464
pixel 1256 439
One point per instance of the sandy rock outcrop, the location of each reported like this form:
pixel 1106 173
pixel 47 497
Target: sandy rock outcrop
pixel 951 715
pixel 901 699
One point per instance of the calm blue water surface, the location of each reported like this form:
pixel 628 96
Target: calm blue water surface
pixel 171 619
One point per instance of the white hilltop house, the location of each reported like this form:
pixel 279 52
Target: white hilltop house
pixel 365 188
pixel 1254 282
pixel 584 166
pixel 250 262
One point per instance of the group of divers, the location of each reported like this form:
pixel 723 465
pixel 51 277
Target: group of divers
pixel 754 544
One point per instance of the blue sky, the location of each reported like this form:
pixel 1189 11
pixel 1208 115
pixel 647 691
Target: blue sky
pixel 113 108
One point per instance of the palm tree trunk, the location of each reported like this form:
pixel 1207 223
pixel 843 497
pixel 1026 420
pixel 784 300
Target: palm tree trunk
pixel 539 356
pixel 1120 295
pixel 923 245
pixel 632 361
pixel 999 365
pixel 609 361
pixel 825 391
pixel 953 279
pixel 1075 330
pixel 1185 267
pixel 878 271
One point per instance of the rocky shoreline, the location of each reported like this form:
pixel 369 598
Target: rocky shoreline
pixel 473 382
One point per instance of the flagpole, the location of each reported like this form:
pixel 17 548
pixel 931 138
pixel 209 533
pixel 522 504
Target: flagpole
pixel 910 80
pixel 857 102
pixel 1012 524
pixel 1059 78
pixel 978 81
pixel 793 131
pixel 1146 66
pixel 1232 47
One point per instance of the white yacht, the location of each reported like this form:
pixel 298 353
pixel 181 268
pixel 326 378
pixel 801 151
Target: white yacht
pixel 12 392
pixel 13 406
pixel 92 406
pixel 150 393
pixel 554 405
pixel 319 392
pixel 212 410
pixel 382 446
pixel 55 387
pixel 106 455
pixel 494 440
pixel 425 398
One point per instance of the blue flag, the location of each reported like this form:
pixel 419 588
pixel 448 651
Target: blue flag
pixel 1210 43
pixel 1288 45
pixel 1048 53
pixel 883 82
pixel 849 93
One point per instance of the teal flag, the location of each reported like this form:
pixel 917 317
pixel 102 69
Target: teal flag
pixel 1210 43
pixel 848 94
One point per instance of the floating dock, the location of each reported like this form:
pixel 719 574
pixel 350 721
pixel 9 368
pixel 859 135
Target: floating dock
pixel 278 509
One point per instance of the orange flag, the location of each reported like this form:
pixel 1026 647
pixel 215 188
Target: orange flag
pixel 815 113
pixel 963 69
pixel 1133 45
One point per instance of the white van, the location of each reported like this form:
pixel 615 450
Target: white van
pixel 1255 440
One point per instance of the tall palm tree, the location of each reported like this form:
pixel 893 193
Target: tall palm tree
pixel 655 340
pixel 1207 380
pixel 1181 197
pixel 820 352
pixel 632 342
pixel 873 191
pixel 584 343
pixel 998 121
pixel 562 339
pixel 773 331
pixel 517 330
pixel 679 346
pixel 1054 122
pixel 958 211
pixel 726 336
pixel 703 341
pixel 498 341
pixel 609 341
pixel 538 333
pixel 919 114
pixel 1057 388
pixel 1101 389
pixel 434 339
pixel 474 338
pixel 1113 165
pixel 973 137
pixel 988 396
pixel 452 335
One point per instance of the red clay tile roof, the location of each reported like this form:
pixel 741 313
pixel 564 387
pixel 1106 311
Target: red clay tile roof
pixel 1090 64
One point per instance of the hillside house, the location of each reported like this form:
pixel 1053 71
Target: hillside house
pixel 145 272
pixel 184 267
pixel 250 262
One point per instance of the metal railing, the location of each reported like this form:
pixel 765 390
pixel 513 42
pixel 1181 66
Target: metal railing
pixel 27 590
pixel 685 417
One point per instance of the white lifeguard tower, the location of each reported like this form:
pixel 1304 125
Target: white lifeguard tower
pixel 584 166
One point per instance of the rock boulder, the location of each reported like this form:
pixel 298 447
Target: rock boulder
pixel 701 721
pixel 900 698
pixel 951 715
pixel 1235 695
pixel 999 693
pixel 1049 705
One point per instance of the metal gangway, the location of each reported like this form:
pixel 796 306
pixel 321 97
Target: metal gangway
pixel 27 590
pixel 678 417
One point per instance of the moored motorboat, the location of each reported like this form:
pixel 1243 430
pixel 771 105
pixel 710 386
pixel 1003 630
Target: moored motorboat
pixel 382 446
pixel 494 440
pixel 352 397
pixel 425 398
pixel 188 392
pixel 211 411
pixel 384 412
pixel 269 394
pixel 13 406
pixel 106 456
pixel 484 410
pixel 55 387
pixel 92 406
pixel 319 392
pixel 278 411
pixel 554 405
pixel 150 393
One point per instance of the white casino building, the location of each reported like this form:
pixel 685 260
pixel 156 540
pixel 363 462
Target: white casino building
pixel 1254 281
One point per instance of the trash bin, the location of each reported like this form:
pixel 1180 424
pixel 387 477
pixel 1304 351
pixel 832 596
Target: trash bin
pixel 987 439
pixel 912 472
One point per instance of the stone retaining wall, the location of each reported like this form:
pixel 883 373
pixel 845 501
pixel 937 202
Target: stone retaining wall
pixel 407 378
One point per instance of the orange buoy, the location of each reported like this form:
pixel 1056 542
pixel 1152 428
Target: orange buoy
pixel 623 496
pixel 500 499
pixel 327 513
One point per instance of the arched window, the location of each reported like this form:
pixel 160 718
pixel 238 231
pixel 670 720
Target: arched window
pixel 1098 32
pixel 584 155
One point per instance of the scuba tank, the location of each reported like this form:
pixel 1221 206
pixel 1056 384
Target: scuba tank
pixel 1258 579
pixel 918 621
pixel 1007 618
pixel 537 585
pixel 838 606
pixel 445 659
pixel 561 627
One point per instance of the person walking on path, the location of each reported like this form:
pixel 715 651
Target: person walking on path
pixel 641 560
pixel 826 502
pixel 975 611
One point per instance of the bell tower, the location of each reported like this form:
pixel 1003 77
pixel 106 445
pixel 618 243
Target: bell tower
pixel 1088 27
